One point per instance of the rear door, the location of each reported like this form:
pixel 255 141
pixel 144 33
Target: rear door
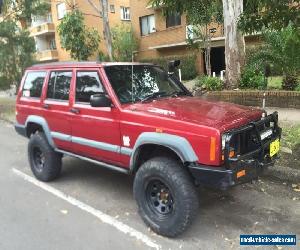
pixel 56 107
pixel 95 131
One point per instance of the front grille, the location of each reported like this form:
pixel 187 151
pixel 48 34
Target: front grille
pixel 246 141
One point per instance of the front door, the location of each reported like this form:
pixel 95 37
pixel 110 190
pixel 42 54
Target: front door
pixel 95 131
pixel 57 108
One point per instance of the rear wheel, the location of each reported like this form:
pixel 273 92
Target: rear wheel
pixel 45 163
pixel 165 195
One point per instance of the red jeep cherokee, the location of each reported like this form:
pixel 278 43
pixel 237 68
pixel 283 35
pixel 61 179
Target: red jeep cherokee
pixel 137 119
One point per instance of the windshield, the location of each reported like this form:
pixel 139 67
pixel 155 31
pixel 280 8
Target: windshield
pixel 134 83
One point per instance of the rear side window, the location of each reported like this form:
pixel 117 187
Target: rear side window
pixel 59 85
pixel 87 83
pixel 34 84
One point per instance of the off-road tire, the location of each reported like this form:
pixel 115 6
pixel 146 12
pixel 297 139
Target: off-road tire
pixel 51 167
pixel 181 188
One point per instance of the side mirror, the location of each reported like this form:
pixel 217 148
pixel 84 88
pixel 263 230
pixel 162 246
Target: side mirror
pixel 100 100
pixel 172 65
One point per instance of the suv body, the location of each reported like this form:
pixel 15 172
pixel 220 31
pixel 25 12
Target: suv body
pixel 92 111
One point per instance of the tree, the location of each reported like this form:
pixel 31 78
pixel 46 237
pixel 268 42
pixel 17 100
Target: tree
pixel 123 43
pixel 103 13
pixel 281 50
pixel 261 15
pixel 75 37
pixel 234 39
pixel 234 42
pixel 16 51
pixel 201 15
pixel 22 10
pixel 16 47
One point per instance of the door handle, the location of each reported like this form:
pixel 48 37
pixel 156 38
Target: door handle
pixel 74 111
pixel 46 106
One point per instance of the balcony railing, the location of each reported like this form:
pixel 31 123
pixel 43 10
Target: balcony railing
pixel 42 29
pixel 46 55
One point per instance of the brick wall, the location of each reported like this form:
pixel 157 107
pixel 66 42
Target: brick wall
pixel 92 20
pixel 283 99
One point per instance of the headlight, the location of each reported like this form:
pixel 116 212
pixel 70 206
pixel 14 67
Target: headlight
pixel 224 137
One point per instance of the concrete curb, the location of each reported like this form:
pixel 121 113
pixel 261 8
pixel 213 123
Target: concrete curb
pixel 284 173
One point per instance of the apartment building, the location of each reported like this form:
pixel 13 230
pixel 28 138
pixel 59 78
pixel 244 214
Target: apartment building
pixel 44 28
pixel 161 36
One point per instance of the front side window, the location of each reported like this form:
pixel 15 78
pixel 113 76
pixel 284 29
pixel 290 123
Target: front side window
pixel 61 10
pixel 147 24
pixel 173 19
pixel 142 82
pixel 59 85
pixel 33 84
pixel 87 83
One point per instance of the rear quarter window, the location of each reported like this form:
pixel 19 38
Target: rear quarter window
pixel 34 84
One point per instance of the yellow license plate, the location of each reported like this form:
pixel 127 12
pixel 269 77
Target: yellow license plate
pixel 274 147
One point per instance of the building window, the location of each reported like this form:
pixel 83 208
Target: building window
pixel 87 84
pixel 112 8
pixel 52 44
pixel 61 10
pixel 173 19
pixel 147 24
pixel 125 13
pixel 34 84
pixel 59 85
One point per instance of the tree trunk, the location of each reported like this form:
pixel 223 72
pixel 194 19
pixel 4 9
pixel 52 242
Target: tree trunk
pixel 106 28
pixel 234 42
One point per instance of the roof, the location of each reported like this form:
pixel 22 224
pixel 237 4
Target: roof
pixel 86 64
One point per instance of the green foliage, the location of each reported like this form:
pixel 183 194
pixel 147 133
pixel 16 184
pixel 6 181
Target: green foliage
pixel 16 50
pixel 103 57
pixel 187 65
pixel 196 10
pixel 210 83
pixel 252 78
pixel 23 9
pixel 123 43
pixel 281 51
pixel 269 14
pixel 75 37
pixel 291 136
pixel 16 47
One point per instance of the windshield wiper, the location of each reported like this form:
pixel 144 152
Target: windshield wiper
pixel 153 96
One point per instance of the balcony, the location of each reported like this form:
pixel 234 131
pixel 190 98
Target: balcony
pixel 42 29
pixel 46 55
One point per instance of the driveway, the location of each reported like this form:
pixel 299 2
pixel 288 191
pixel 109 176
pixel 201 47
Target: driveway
pixel 90 207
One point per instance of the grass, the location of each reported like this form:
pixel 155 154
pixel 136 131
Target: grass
pixel 291 136
pixel 7 108
pixel 275 82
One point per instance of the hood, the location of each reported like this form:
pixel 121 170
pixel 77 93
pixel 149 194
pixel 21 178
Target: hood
pixel 220 115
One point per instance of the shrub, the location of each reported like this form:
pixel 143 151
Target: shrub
pixel 187 65
pixel 252 78
pixel 123 43
pixel 289 82
pixel 210 83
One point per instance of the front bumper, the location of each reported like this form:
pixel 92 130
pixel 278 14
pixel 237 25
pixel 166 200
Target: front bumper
pixel 20 129
pixel 222 178
pixel 242 168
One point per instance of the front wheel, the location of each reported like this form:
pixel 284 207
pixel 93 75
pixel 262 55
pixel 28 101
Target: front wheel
pixel 166 196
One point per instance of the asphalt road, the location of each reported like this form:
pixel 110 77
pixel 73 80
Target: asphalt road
pixel 35 216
